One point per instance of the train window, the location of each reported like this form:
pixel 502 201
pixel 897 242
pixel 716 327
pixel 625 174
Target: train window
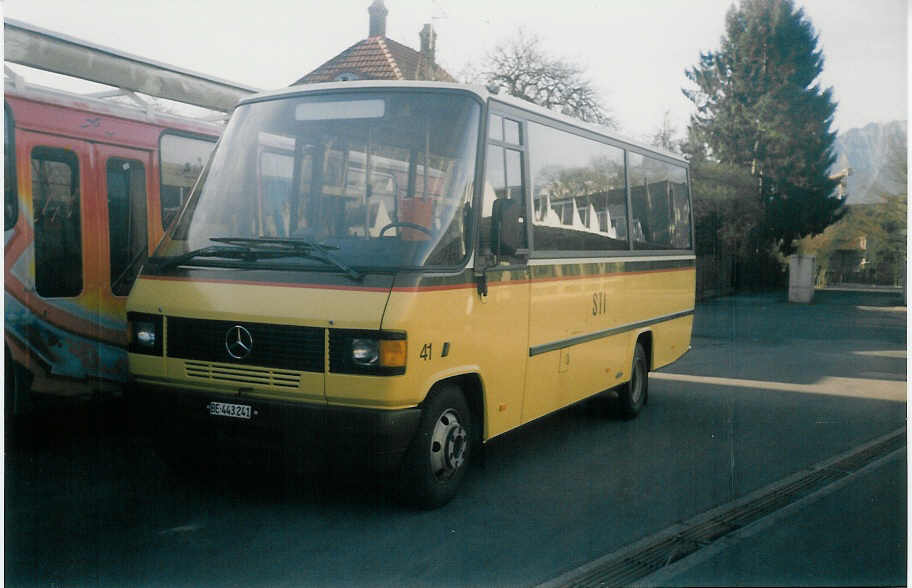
pixel 10 196
pixel 58 232
pixel 126 181
pixel 182 159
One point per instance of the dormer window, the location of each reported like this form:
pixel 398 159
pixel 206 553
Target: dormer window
pixel 346 77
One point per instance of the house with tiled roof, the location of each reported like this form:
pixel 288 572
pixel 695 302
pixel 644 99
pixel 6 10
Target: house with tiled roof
pixel 380 58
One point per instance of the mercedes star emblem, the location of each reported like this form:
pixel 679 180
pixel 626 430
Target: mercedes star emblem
pixel 238 342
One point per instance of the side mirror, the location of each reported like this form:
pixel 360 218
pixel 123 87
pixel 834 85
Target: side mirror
pixel 508 233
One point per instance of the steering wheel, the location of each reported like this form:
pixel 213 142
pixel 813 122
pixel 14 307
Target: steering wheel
pixel 415 226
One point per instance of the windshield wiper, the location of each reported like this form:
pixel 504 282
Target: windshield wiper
pixel 274 242
pixel 279 247
pixel 211 251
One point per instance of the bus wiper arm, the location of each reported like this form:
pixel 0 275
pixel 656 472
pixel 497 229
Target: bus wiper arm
pixel 327 258
pixel 211 251
pixel 302 247
pixel 273 242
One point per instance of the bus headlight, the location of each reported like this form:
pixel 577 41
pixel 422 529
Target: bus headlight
pixel 365 352
pixel 144 333
pixel 355 351
pixel 384 353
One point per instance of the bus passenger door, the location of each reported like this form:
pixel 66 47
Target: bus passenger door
pixel 547 371
pixel 60 291
pixel 127 236
pixel 503 308
pixel 501 344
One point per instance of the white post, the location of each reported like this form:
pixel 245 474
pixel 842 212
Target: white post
pixel 802 273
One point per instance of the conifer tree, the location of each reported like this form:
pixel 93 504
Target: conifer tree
pixel 760 107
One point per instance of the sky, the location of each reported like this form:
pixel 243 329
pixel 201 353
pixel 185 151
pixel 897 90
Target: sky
pixel 634 53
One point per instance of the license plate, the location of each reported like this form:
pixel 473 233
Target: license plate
pixel 237 411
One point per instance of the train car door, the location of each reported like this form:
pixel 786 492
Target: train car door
pixel 61 289
pixel 124 180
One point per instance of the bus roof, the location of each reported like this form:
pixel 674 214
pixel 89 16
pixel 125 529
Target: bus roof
pixel 481 92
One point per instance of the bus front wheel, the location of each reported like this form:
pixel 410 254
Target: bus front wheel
pixel 438 456
pixel 633 394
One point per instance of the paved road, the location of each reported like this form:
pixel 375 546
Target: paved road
pixel 768 389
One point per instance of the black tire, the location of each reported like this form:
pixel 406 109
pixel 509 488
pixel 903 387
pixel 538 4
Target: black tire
pixel 634 393
pixel 438 457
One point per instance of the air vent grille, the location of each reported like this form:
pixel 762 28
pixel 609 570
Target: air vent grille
pixel 242 374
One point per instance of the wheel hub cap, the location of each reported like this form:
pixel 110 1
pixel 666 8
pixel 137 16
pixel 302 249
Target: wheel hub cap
pixel 448 445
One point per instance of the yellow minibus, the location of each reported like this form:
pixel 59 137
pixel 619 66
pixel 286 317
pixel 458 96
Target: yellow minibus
pixel 394 273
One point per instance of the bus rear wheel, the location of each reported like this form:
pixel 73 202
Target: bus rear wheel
pixel 438 457
pixel 633 394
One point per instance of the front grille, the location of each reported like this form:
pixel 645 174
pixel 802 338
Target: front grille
pixel 241 374
pixel 273 346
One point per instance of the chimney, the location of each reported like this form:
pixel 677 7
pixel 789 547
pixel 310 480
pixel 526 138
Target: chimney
pixel 378 14
pixel 428 46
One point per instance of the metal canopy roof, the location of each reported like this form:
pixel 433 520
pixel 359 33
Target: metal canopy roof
pixel 50 51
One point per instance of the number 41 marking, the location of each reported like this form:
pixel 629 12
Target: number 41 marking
pixel 426 352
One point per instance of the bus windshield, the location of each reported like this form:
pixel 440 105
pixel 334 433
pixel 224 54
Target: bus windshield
pixel 369 179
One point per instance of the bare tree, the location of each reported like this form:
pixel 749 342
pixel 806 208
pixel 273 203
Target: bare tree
pixel 521 68
pixel 664 136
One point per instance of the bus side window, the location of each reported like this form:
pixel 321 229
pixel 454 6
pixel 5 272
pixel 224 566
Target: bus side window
pixel 182 158
pixel 10 194
pixel 126 181
pixel 579 196
pixel 494 187
pixel 503 182
pixel 58 232
pixel 661 209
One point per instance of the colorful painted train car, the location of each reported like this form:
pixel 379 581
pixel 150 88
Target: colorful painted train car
pixel 90 186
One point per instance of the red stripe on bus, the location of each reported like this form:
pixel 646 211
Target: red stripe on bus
pixel 257 283
pixel 440 287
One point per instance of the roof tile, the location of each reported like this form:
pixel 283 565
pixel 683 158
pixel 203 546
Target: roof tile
pixel 377 58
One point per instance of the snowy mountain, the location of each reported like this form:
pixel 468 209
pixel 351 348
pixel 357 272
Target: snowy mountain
pixel 865 151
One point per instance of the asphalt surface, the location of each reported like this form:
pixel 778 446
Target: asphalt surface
pixel 769 388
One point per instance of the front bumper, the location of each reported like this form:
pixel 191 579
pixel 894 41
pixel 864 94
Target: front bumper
pixel 306 436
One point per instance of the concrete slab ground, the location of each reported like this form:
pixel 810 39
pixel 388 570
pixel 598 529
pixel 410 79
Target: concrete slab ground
pixel 855 535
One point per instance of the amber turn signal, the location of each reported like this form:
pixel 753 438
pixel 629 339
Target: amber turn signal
pixel 393 352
